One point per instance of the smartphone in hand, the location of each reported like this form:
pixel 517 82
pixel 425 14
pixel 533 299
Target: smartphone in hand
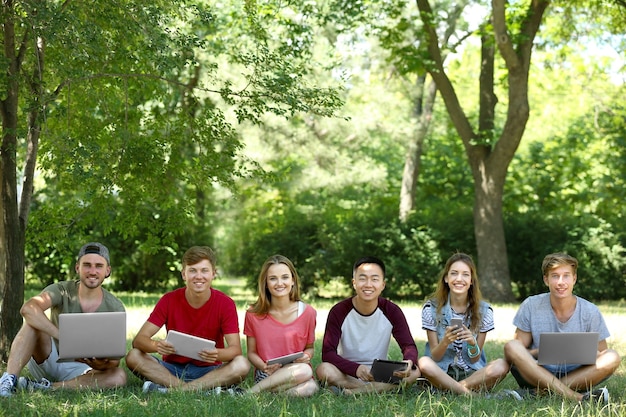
pixel 457 322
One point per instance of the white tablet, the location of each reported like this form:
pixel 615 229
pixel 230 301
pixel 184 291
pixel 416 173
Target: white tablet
pixel 188 345
pixel 284 360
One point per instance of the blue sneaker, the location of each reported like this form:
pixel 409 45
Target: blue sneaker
pixel 337 390
pixel 30 385
pixel 7 384
pixel 150 386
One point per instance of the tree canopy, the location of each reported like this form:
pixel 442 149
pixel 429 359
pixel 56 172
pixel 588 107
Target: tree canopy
pixel 126 111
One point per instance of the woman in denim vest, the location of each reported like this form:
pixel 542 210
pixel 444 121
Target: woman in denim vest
pixel 454 359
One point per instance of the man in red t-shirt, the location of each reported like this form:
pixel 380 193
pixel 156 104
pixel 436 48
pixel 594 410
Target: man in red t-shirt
pixel 198 310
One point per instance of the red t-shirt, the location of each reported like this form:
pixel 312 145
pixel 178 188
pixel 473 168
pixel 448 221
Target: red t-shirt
pixel 216 318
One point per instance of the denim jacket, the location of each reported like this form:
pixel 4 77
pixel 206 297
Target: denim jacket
pixel 443 321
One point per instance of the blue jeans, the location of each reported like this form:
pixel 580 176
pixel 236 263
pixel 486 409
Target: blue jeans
pixel 187 372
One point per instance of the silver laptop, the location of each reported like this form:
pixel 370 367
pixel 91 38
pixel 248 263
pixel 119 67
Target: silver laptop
pixel 575 348
pixel 92 335
pixel 188 345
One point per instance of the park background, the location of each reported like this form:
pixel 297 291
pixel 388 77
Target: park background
pixel 321 130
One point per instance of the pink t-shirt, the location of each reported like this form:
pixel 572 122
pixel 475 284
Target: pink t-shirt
pixel 274 338
pixel 216 318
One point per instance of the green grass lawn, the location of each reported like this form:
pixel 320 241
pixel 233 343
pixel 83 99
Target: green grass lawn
pixel 131 401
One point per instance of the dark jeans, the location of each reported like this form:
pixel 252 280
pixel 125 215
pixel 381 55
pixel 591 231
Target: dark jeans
pixel 459 374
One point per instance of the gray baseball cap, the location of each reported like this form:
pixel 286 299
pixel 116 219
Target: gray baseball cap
pixel 97 248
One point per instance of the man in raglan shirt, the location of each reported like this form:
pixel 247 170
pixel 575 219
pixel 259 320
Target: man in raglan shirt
pixel 359 330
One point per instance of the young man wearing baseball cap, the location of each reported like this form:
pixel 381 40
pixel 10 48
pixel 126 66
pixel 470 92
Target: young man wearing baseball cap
pixel 35 345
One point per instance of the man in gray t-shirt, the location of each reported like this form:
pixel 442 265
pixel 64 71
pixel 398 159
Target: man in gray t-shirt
pixel 559 310
pixel 36 342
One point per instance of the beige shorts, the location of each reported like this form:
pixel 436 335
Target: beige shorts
pixel 54 371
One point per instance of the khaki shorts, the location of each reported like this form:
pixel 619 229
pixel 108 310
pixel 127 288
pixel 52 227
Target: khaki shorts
pixel 54 371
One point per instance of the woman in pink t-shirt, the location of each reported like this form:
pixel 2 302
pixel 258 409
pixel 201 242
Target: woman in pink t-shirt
pixel 279 324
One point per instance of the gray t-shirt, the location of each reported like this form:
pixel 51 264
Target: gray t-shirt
pixel 535 316
pixel 64 298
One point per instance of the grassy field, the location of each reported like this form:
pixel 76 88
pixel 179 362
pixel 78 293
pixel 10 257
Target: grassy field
pixel 131 401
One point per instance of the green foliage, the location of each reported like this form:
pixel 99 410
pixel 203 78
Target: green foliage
pixel 143 263
pixel 602 270
pixel 324 243
pixel 138 125
pixel 139 143
pixel 564 196
pixel 591 240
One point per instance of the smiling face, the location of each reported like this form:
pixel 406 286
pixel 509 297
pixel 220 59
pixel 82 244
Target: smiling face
pixel 279 280
pixel 198 277
pixel 368 281
pixel 92 269
pixel 459 278
pixel 560 281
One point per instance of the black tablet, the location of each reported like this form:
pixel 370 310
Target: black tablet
pixel 382 370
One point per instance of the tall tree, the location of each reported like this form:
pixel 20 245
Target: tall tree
pixel 424 101
pixel 100 96
pixel 489 152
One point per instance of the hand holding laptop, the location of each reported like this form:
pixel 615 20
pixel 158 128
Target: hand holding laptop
pixel 83 337
pixel 100 364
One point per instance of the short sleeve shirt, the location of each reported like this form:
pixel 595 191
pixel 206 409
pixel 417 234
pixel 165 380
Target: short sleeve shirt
pixel 64 298
pixel 213 320
pixel 274 339
pixel 536 316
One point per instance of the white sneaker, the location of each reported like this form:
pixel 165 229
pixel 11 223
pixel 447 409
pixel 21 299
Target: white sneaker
pixel 150 386
pixel 509 393
pixel 600 396
pixel 7 384
pixel 31 385
pixel 233 390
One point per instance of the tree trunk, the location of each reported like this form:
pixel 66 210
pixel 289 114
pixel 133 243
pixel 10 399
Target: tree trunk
pixel 489 233
pixel 423 111
pixel 12 238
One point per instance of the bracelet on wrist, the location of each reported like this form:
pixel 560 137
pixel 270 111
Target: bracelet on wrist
pixel 473 351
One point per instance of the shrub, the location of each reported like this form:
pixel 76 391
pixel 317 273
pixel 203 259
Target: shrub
pixel 589 239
